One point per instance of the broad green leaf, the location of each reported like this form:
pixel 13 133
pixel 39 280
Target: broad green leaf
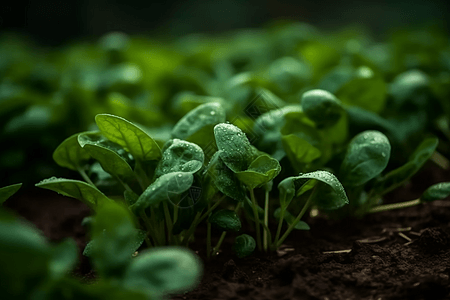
pixel 262 170
pixel 24 257
pixel 180 156
pixel 368 92
pixel 202 117
pixel 322 107
pixel 224 179
pixel 8 191
pixel 236 151
pixel 129 136
pixel 164 270
pixel 289 218
pixel 331 185
pixel 437 191
pixel 268 126
pixel 164 188
pixel 299 151
pixel 63 259
pixel 366 120
pixel 70 154
pixel 226 220
pixel 407 86
pixel 114 236
pixel 139 237
pixel 293 187
pixel 397 177
pixel 80 190
pixel 367 156
pixel 103 152
pixel 244 245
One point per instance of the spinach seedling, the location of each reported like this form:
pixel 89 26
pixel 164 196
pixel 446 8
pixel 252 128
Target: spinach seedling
pixel 34 268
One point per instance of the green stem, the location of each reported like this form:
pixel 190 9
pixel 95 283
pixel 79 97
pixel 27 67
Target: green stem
pixel 208 238
pixel 295 222
pixel 440 160
pixel 256 216
pixel 191 229
pixel 219 243
pixel 148 242
pixel 266 221
pixel 141 176
pixel 209 211
pixel 169 223
pixel 280 226
pixel 392 206
pixel 149 227
pixel 222 237
pixel 85 176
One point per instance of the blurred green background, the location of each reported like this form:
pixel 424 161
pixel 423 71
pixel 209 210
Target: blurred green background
pixel 60 65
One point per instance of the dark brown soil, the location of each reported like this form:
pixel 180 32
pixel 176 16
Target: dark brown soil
pixel 379 261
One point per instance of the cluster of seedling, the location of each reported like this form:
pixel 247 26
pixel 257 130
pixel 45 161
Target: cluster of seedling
pixel 245 135
pixel 32 268
pixel 172 187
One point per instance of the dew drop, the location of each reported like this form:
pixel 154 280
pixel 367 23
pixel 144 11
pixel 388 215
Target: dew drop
pixel 180 175
pixel 212 113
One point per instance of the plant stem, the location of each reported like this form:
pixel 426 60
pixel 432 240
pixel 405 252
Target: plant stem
pixel 219 243
pixel 175 213
pixel 85 176
pixel 210 209
pixel 169 223
pixel 191 229
pixel 266 221
pixel 256 216
pixel 297 219
pixel 149 227
pixel 440 160
pixel 208 240
pixel 141 176
pixel 222 237
pixel 280 225
pixel 392 206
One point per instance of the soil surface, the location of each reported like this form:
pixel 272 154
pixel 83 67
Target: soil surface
pixel 400 254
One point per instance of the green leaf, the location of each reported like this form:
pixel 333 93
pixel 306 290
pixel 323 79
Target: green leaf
pixel 180 156
pixel 226 220
pixel 224 179
pixel 409 85
pixel 77 189
pixel 236 151
pixel 268 127
pixel 8 191
pixel 70 154
pixel 329 184
pixel 367 156
pixel 24 257
pixel 397 177
pixel 164 270
pixel 202 117
pixel 244 245
pixel 322 107
pixel 298 150
pixel 64 258
pixel 262 170
pixel 366 120
pixel 103 152
pixel 129 136
pixel 368 92
pixel 289 218
pixel 437 191
pixel 164 188
pixel 114 235
pixel 139 237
